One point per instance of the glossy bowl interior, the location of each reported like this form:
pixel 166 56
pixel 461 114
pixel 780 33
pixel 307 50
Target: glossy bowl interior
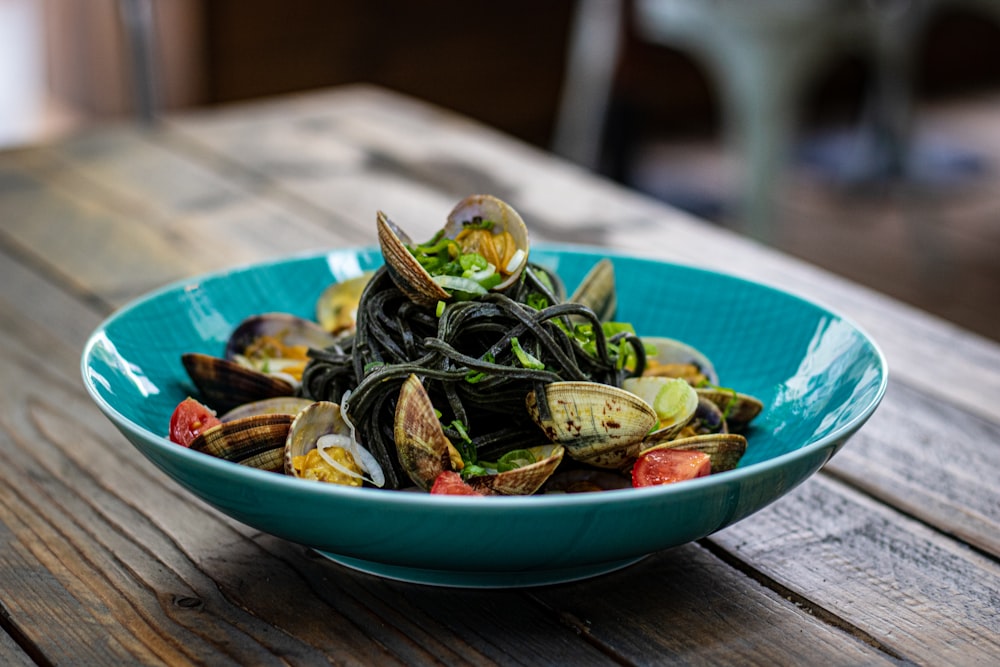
pixel 820 377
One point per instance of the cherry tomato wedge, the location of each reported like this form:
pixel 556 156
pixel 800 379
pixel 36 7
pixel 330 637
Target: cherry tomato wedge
pixel 666 466
pixel 450 483
pixel 189 420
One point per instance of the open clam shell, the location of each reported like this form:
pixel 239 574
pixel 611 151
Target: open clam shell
pixel 321 427
pixel 274 342
pixel 739 408
pixel 597 290
pixel 425 452
pixel 279 405
pixel 505 245
pixel 596 423
pixel 509 256
pixel 708 418
pixel 226 384
pixel 673 400
pixel 404 269
pixel 523 481
pixel 337 306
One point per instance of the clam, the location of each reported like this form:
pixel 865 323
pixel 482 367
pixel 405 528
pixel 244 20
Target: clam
pixel 425 452
pixel 276 343
pixel 478 224
pixel 257 441
pixel 724 449
pixel 597 290
pixel 337 306
pixel 321 446
pixel 673 400
pixel 505 245
pixel 674 358
pixel 596 423
pixel 525 479
pixel 738 408
pixel 226 384
pixel 263 358
pixel 423 449
pixel 708 418
pixel 410 277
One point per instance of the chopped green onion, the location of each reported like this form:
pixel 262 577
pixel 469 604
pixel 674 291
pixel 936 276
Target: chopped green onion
pixel 526 358
pixel 472 377
pixel 624 350
pixel 465 447
pixel 460 427
pixel 612 328
pixel 491 281
pixel 473 470
pixel 473 261
pixel 478 223
pixel 537 301
pixel 517 458
pixel 460 284
pixel 481 275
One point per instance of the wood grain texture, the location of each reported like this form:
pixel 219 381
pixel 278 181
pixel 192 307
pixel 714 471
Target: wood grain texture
pixel 926 597
pixel 932 461
pixel 682 609
pixel 11 654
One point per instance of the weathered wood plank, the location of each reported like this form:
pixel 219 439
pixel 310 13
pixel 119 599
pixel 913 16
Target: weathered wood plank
pixel 156 239
pixel 172 190
pixel 89 246
pixel 889 582
pixel 685 610
pixel 11 654
pixel 931 600
pixel 932 461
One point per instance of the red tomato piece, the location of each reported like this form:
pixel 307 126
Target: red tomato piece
pixel 189 420
pixel 666 466
pixel 450 483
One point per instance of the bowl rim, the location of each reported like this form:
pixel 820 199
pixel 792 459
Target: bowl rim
pixel 414 501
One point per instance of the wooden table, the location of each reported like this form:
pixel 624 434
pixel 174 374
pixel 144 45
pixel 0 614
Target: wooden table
pixel 889 555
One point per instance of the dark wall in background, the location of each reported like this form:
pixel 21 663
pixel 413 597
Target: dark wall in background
pixel 502 62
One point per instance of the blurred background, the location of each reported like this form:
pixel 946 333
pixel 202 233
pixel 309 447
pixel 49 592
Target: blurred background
pixel 860 135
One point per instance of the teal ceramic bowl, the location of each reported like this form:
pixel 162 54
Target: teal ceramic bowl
pixel 820 377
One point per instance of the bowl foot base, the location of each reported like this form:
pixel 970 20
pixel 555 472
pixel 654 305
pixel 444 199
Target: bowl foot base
pixel 464 579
